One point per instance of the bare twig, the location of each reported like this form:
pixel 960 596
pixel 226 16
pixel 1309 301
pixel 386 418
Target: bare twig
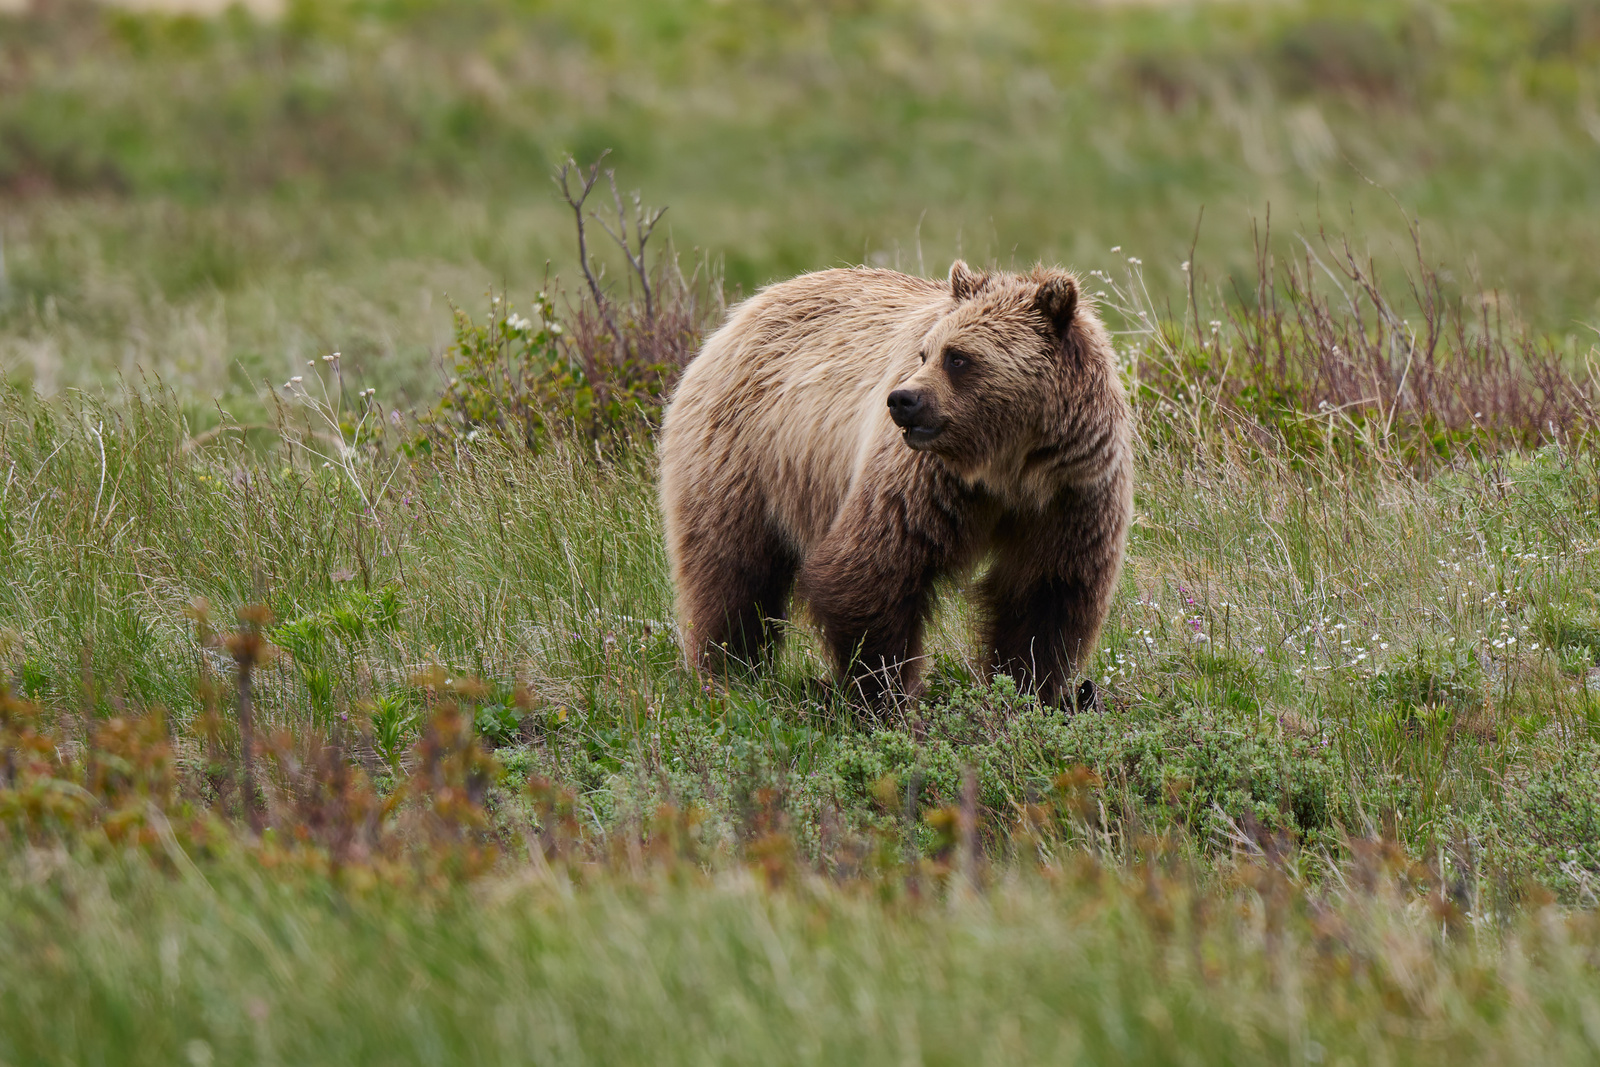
pixel 644 224
pixel 587 181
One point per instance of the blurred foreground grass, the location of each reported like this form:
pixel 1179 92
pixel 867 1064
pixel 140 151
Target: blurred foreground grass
pixel 116 963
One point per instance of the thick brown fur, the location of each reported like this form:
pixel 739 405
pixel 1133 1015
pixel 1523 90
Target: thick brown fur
pixel 782 471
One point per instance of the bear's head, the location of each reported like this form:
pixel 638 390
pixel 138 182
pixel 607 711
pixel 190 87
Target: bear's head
pixel 1017 388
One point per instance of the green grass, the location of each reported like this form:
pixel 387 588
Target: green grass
pixel 217 201
pixel 1356 683
pixel 1323 648
pixel 115 963
pixel 1341 804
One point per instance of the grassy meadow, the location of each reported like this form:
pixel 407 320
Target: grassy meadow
pixel 216 201
pixel 341 711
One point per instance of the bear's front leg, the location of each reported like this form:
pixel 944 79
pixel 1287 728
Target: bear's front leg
pixel 869 587
pixel 1049 589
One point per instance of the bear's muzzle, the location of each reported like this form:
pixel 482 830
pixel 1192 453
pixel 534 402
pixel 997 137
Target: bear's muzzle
pixel 916 415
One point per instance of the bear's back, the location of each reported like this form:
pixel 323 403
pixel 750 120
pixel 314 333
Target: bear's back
pixel 791 392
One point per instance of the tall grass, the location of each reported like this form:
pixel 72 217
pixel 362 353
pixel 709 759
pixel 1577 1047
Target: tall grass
pixel 115 963
pixel 217 201
pixel 1364 617
pixel 329 733
pixel 1326 356
pixel 1347 762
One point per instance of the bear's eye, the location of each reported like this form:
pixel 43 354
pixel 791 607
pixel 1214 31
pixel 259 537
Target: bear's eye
pixel 956 361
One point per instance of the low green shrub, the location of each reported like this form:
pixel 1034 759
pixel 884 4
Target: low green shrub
pixel 1556 818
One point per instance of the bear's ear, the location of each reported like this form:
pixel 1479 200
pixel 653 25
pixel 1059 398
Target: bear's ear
pixel 965 283
pixel 1057 301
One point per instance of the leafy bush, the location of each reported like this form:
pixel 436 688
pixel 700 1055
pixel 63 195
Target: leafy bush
pixel 1207 769
pixel 523 380
pixel 323 645
pixel 509 375
pixel 1557 815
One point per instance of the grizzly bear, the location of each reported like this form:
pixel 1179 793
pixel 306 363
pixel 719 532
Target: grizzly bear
pixel 852 436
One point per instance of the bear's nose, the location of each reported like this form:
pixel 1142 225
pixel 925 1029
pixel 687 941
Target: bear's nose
pixel 904 406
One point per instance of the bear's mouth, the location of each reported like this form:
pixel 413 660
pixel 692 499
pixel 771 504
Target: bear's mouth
pixel 920 437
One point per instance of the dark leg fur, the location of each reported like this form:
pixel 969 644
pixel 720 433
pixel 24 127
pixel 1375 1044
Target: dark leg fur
pixel 737 597
pixel 1041 633
pixel 1050 587
pixel 879 649
pixel 868 587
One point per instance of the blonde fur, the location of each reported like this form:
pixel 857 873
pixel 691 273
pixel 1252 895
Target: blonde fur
pixel 782 469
